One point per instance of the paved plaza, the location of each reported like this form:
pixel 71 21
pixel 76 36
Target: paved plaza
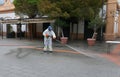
pixel 25 58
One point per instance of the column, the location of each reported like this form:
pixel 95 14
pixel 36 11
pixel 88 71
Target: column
pixel 111 10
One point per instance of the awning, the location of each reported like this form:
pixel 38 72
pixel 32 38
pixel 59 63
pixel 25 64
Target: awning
pixel 25 21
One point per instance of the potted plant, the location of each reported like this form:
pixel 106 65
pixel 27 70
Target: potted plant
pixel 61 24
pixel 94 24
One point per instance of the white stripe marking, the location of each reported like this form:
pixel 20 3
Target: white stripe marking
pixel 86 54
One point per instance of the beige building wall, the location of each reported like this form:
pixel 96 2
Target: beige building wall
pixel 111 11
pixel 7 7
pixel 77 31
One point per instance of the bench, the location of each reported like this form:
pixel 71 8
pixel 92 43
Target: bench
pixel 110 43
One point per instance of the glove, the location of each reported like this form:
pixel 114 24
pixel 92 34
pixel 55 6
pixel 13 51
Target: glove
pixel 54 37
pixel 47 35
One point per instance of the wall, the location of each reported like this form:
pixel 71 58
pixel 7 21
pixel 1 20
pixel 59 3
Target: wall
pixel 78 30
pixel 39 30
pixel 111 9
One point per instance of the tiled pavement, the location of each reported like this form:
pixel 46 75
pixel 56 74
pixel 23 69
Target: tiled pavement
pixel 32 62
pixel 114 55
pixel 111 53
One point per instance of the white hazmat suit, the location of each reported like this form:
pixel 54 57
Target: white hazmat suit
pixel 48 35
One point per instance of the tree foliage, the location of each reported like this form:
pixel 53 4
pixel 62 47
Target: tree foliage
pixel 60 22
pixel 70 10
pixel 80 9
pixel 96 22
pixel 26 7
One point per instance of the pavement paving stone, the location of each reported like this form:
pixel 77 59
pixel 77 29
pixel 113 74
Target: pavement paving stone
pixel 58 64
pixel 99 47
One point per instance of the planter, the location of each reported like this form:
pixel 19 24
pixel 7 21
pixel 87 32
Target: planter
pixel 64 40
pixel 91 41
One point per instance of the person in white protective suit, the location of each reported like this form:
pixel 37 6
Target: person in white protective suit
pixel 48 36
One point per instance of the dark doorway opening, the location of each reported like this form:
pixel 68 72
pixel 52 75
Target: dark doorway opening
pixel 34 31
pixel 10 32
pixel 45 25
pixel 87 31
pixel 100 33
pixel 66 31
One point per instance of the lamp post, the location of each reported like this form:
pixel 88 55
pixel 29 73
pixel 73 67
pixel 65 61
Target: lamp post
pixel 19 28
pixel 101 34
pixel 2 30
pixel 2 26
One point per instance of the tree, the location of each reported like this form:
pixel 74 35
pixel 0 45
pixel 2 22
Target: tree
pixel 26 7
pixel 61 23
pixel 70 10
pixel 96 23
pixel 29 8
pixel 80 9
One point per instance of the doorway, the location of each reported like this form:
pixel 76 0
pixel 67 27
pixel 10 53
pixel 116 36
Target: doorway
pixel 45 25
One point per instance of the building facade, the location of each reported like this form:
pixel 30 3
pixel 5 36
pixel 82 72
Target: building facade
pixel 74 31
pixel 7 12
pixel 113 20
